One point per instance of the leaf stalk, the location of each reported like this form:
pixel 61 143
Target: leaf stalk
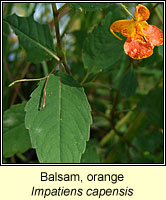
pixel 125 8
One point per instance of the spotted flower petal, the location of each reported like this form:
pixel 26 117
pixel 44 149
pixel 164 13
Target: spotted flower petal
pixel 121 26
pixel 138 48
pixel 142 13
pixel 141 37
pixel 154 35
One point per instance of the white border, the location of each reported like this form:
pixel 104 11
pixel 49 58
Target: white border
pixel 80 163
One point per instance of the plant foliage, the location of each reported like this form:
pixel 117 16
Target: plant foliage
pixel 35 38
pixel 82 73
pixel 15 136
pixel 62 128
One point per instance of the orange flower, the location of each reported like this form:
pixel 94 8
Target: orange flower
pixel 141 37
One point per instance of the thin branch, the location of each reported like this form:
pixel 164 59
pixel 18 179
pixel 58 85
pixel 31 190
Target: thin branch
pixel 100 113
pixel 111 118
pixel 117 94
pixel 64 12
pixel 11 79
pixel 85 78
pixel 45 85
pixel 67 9
pixel 97 85
pixel 152 9
pixel 115 104
pixel 61 9
pixel 23 80
pixel 124 139
pixel 59 46
pixel 158 12
pixel 123 111
pixel 44 94
pixel 19 85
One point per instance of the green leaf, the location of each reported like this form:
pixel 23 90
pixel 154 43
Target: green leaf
pixel 35 38
pixel 137 125
pixel 118 154
pixel 117 74
pixel 59 132
pixel 102 49
pixel 160 50
pixel 149 141
pixel 15 136
pixel 153 106
pixel 129 83
pixel 91 154
pixel 152 61
pixel 88 6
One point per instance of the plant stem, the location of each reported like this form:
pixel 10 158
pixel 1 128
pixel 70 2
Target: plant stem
pixel 33 79
pixel 117 95
pixel 22 157
pixel 115 104
pixel 114 126
pixel 65 11
pixel 45 85
pixel 11 79
pixel 59 46
pixel 19 85
pixel 119 124
pixel 115 131
pixel 45 68
pixel 153 8
pixel 44 94
pixel 85 78
pixel 125 8
pixel 100 114
pixel 22 80
pixel 97 85
pixel 61 9
pixel 56 21
pixel 158 11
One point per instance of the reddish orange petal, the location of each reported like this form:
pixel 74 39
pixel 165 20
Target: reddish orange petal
pixel 142 13
pixel 138 48
pixel 121 26
pixel 154 35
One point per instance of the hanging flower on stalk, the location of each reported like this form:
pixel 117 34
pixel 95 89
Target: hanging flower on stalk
pixel 141 37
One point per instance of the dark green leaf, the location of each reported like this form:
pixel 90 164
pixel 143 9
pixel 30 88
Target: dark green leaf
pixel 117 73
pixel 91 154
pixel 35 38
pixel 149 141
pixel 15 136
pixel 118 155
pixel 152 61
pixel 153 107
pixel 88 6
pixel 60 131
pixel 160 50
pixel 129 83
pixel 137 125
pixel 102 49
